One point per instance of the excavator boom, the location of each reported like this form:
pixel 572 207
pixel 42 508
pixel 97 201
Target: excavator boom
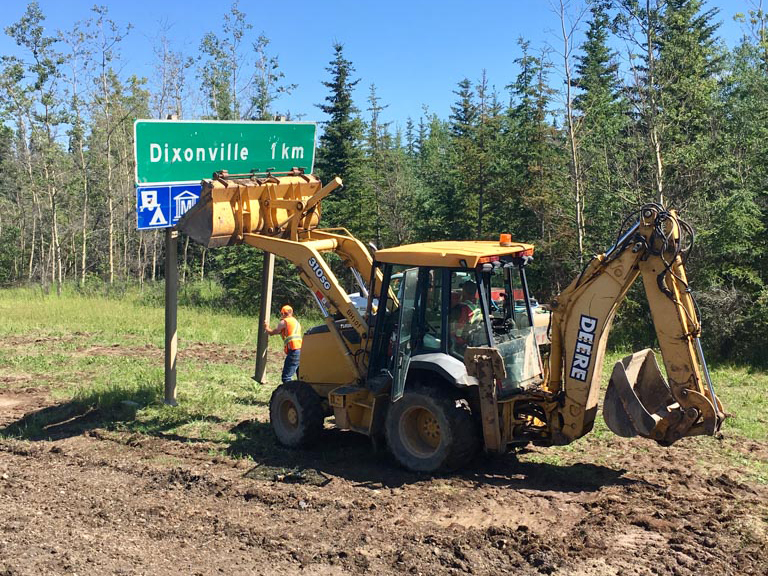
pixel 638 400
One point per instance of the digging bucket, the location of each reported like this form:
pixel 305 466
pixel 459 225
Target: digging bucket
pixel 638 397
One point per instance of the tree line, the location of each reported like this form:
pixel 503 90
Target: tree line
pixel 583 134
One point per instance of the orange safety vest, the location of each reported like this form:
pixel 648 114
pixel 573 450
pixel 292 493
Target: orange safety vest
pixel 291 334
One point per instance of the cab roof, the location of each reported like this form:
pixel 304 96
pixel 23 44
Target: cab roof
pixel 450 254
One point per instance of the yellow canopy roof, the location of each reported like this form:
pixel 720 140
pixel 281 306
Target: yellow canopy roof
pixel 450 253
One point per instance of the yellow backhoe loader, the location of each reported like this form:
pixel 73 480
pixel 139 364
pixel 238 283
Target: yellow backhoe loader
pixel 440 369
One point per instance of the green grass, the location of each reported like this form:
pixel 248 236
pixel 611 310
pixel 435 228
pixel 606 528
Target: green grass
pixel 102 358
pixel 109 321
pixel 743 392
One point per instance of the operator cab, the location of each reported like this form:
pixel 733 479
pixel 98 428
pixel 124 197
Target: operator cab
pixel 450 296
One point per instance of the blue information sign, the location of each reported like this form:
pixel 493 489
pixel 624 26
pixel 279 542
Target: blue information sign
pixel 162 206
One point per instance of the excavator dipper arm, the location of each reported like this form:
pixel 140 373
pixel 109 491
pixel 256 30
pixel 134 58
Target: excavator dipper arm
pixel 638 400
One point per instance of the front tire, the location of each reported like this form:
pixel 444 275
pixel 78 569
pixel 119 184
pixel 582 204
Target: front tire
pixel 296 414
pixel 429 429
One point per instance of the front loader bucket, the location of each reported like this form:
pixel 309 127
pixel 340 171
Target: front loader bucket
pixel 638 397
pixel 232 207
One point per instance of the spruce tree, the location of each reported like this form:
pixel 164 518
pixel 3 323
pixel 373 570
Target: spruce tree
pixel 488 137
pixel 730 266
pixel 527 147
pixel 377 141
pixel 603 116
pixel 531 203
pixel 690 60
pixel 461 194
pixel 433 196
pixel 339 150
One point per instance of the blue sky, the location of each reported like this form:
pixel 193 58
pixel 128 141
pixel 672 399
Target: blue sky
pixel 415 52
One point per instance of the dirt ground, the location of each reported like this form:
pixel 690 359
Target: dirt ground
pixel 95 501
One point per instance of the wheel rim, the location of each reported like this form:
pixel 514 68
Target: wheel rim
pixel 420 432
pixel 289 415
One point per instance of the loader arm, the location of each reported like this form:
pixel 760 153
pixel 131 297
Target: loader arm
pixel 280 215
pixel 638 401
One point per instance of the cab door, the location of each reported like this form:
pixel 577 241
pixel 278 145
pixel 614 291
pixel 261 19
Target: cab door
pixel 405 341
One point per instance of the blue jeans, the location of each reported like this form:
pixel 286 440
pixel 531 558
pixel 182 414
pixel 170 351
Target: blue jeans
pixel 290 365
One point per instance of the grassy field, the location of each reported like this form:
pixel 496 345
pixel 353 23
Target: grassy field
pixel 107 354
pixel 104 357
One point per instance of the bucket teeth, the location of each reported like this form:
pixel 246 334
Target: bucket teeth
pixel 638 398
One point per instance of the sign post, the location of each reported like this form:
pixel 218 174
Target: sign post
pixel 267 274
pixel 171 306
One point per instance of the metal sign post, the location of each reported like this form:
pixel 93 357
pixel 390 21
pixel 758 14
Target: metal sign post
pixel 171 302
pixel 267 274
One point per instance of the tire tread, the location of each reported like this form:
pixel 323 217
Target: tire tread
pixel 310 411
pixel 463 430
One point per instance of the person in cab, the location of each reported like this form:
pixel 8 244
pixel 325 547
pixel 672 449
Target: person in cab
pixel 465 316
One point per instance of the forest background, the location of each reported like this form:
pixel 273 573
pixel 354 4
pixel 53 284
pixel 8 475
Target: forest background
pixel 583 134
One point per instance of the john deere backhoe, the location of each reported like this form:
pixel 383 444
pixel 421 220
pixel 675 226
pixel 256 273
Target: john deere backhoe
pixel 436 366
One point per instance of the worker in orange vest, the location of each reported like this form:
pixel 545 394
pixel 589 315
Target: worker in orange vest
pixel 290 329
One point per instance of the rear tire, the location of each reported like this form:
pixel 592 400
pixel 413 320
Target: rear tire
pixel 296 414
pixel 429 429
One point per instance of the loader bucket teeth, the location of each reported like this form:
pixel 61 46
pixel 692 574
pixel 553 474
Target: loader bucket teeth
pixel 638 398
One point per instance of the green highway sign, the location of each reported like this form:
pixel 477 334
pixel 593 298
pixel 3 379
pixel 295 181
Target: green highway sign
pixel 171 151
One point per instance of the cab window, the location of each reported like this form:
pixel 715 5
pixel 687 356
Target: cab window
pixel 465 316
pixel 429 305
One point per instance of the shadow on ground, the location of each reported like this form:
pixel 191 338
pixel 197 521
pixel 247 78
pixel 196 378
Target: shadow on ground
pixel 114 410
pixel 336 453
pixel 353 457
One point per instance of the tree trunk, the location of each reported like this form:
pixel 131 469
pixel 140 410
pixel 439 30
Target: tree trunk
pixel 125 250
pixel 37 215
pixel 125 187
pixel 110 200
pixel 184 263
pixel 56 259
pixel 652 108
pixel 110 209
pixel 84 227
pixel 140 261
pixel 32 248
pixel 154 255
pixel 576 176
pixel 56 242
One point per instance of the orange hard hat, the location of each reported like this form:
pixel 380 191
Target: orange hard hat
pixel 286 310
